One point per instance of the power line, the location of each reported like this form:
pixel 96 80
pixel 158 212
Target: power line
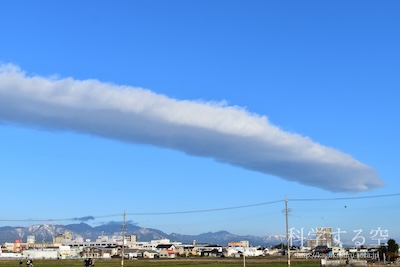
pixel 343 198
pixel 207 210
pixel 144 213
pixel 201 211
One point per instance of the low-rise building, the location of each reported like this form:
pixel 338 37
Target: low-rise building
pixel 166 250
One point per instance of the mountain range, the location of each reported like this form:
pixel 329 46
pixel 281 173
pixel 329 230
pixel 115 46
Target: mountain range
pixel 46 232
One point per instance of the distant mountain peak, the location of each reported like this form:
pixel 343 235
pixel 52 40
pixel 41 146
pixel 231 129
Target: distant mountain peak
pixel 46 232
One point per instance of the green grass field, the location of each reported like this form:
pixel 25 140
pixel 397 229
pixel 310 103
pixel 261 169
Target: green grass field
pixel 250 262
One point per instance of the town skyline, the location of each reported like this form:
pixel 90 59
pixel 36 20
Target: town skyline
pixel 297 237
pixel 71 245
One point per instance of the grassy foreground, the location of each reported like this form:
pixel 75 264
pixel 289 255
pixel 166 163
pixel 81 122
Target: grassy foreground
pixel 223 262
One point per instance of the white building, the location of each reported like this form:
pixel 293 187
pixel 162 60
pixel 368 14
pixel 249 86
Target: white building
pixel 30 239
pixel 10 255
pixel 40 253
pixel 323 236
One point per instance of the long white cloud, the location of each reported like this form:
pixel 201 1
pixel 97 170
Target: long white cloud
pixel 226 133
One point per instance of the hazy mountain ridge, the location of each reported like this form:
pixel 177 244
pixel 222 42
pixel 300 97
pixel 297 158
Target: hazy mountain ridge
pixel 46 232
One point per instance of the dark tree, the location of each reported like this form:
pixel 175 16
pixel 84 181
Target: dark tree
pixel 392 249
pixel 281 246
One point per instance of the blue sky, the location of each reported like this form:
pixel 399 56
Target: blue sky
pixel 176 106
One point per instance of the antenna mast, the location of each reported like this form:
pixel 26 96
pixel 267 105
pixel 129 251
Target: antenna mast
pixel 287 231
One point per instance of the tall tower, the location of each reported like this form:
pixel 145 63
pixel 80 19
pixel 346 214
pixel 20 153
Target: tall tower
pixel 323 236
pixel 30 239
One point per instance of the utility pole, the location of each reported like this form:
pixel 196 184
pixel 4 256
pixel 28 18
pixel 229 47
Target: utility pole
pixel 123 240
pixel 244 254
pixel 287 231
